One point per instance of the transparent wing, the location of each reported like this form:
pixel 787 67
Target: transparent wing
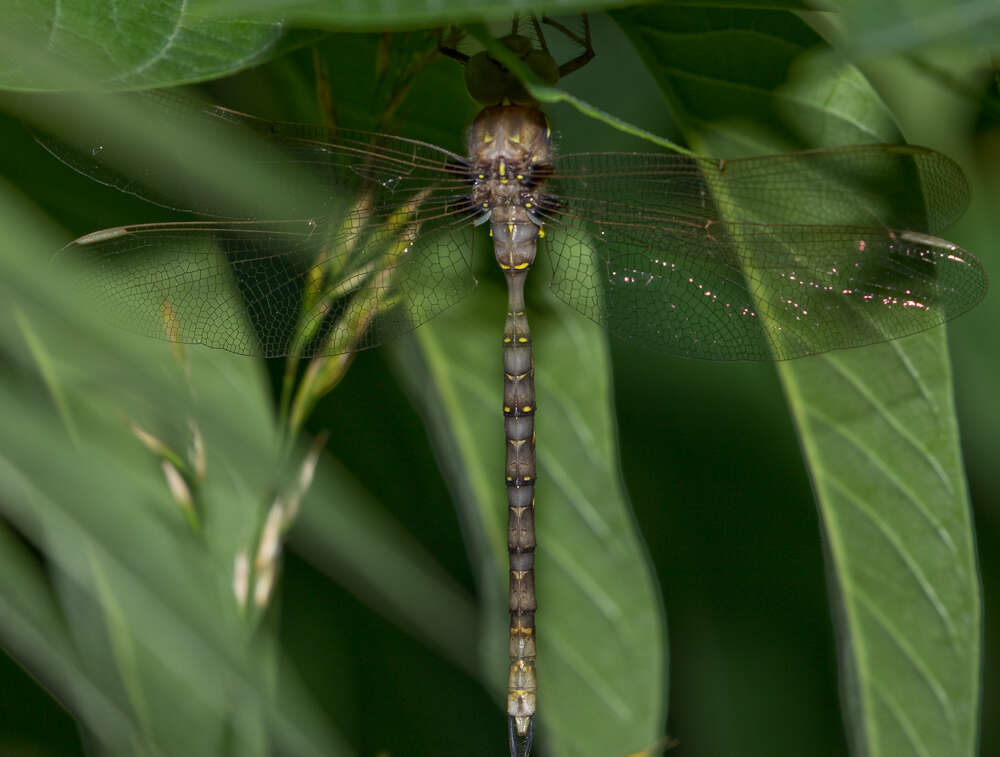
pixel 777 257
pixel 888 186
pixel 376 241
pixel 320 166
pixel 277 288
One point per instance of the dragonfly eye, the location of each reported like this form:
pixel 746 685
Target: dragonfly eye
pixel 486 80
pixel 490 82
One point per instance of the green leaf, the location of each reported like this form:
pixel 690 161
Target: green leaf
pixel 345 533
pixel 546 93
pixel 391 14
pixel 158 658
pixel 964 28
pixel 600 627
pixel 753 81
pixel 152 43
pixel 877 425
pixel 35 633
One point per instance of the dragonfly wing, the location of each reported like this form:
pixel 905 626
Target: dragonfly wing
pixel 275 288
pixel 757 292
pixel 889 186
pixel 774 257
pixel 237 166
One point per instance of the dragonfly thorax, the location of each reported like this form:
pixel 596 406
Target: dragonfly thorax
pixel 509 158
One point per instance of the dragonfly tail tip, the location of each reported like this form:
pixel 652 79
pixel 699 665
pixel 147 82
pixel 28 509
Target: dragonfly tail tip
pixel 520 743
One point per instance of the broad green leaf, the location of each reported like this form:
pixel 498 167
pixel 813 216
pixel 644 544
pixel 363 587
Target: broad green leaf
pixel 600 627
pixel 151 43
pixel 754 81
pixel 965 28
pixel 877 424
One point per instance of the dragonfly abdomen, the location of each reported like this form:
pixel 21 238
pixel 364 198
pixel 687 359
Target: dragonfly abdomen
pixel 509 153
pixel 519 428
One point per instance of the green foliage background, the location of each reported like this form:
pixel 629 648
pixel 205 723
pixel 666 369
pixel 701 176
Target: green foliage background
pixel 388 632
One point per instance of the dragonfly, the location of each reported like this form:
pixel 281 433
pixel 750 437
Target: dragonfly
pixel 766 258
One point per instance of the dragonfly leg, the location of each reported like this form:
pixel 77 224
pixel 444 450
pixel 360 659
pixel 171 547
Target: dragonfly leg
pixel 447 44
pixel 588 50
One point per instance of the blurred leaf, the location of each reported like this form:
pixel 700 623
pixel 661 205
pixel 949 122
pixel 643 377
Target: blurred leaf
pixel 600 628
pixel 390 14
pixel 754 80
pixel 35 632
pixel 151 43
pixel 349 537
pixel 877 425
pixel 546 93
pixel 166 662
pixel 962 27
pixel 137 549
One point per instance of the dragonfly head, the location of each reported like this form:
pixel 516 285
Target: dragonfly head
pixel 491 83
